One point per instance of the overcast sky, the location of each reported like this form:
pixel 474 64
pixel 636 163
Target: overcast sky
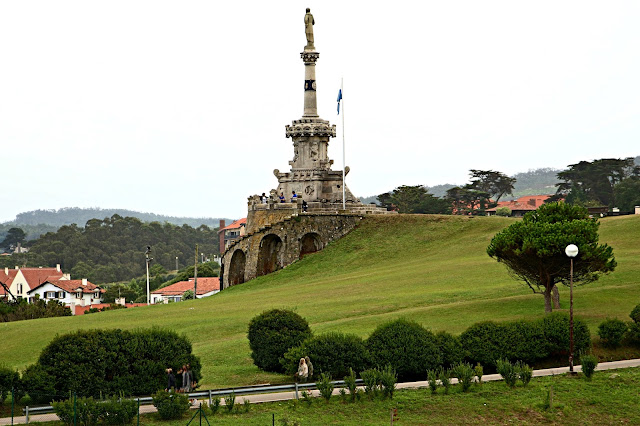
pixel 179 107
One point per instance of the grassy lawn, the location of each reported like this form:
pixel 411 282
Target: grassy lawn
pixel 611 397
pixel 433 269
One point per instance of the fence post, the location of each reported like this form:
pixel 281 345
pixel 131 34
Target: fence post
pixel 26 411
pixel 296 390
pixel 13 403
pixel 138 411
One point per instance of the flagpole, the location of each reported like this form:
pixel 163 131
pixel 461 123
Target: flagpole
pixel 344 207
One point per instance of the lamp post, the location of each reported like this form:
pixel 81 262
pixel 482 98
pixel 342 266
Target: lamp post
pixel 571 251
pixel 148 260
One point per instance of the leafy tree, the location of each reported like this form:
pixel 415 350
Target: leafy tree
pixel 466 200
pixel 533 249
pixel 503 211
pixel 187 295
pixel 14 237
pixel 413 199
pixel 492 182
pixel 593 182
pixel 627 194
pixel 114 292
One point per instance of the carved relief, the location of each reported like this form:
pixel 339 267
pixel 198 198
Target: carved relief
pixel 309 190
pixel 310 129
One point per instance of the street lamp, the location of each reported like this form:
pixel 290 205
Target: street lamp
pixel 148 260
pixel 571 251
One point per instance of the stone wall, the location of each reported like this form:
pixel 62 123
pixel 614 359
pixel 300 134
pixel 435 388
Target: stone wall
pixel 267 248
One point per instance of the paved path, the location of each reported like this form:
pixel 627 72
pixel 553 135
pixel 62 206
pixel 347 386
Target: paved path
pixel 285 396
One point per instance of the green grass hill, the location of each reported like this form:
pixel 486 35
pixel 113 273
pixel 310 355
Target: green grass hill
pixel 429 268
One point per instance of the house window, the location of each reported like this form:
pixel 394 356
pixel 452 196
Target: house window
pixel 50 294
pixel 97 295
pixel 19 288
pixel 79 295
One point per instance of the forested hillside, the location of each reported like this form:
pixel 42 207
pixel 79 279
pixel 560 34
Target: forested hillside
pixel 79 216
pixel 113 249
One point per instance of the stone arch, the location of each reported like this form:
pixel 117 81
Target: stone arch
pixel 237 267
pixel 310 243
pixel 269 255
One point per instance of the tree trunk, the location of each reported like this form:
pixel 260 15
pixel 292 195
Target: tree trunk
pixel 556 297
pixel 547 301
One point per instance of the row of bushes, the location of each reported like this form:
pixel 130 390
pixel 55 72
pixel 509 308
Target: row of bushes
pixel 613 332
pixel 280 338
pixel 92 363
pixel 88 411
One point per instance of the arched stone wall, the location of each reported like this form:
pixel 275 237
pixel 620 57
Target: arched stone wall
pixel 310 243
pixel 277 245
pixel 269 255
pixel 237 267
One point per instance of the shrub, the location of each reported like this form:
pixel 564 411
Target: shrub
pixel 130 362
pixel 589 364
pixel 525 341
pixel 479 371
pixel 333 353
pixel 85 412
pixel 525 373
pixel 388 380
pixel 556 332
pixel 405 345
pixel 215 405
pixel 503 211
pixel 187 295
pixel 445 378
pixel 370 379
pixel 450 348
pixel 170 405
pixel 230 401
pixel 464 372
pixel 432 379
pixel 484 342
pixel 350 383
pixel 325 386
pixel 272 334
pixel 38 384
pixel 118 411
pixel 633 334
pixel 9 379
pixel 611 332
pixel 508 371
pixel 635 314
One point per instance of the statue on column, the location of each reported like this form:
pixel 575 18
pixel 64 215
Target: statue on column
pixel 309 22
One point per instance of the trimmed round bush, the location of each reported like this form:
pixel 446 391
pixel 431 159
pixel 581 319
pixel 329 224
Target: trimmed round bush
pixel 611 332
pixel 524 341
pixel 484 342
pixel 450 348
pixel 556 332
pixel 633 335
pixel 272 334
pixel 39 385
pixel 406 346
pixel 112 362
pixel 170 405
pixel 333 353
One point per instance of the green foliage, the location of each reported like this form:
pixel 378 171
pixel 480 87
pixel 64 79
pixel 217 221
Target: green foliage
pixel 633 334
pixel 118 411
pixel 444 374
pixel 9 379
pixel 84 411
pixel 21 310
pixel 479 372
pixel 467 200
pixel 187 295
pixel 388 379
pixel 371 379
pixel 503 211
pixel 525 373
pixel 589 364
pixel 170 405
pixel 230 401
pixel 13 237
pixel 627 194
pixel 215 405
pixel 207 269
pixel 450 347
pixel 112 249
pixel 39 384
pixel 533 249
pixel 350 383
pixel 635 314
pixel 494 183
pixel 107 362
pixel 432 380
pixel 508 371
pixel 116 291
pixel 406 346
pixel 325 386
pixel 611 332
pixel 465 373
pixel 333 353
pixel 556 333
pixel 484 342
pixel 272 333
pixel 413 199
pixel 524 340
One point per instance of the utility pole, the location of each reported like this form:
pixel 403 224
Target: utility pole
pixel 195 275
pixel 148 259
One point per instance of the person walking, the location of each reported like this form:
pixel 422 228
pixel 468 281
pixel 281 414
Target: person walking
pixel 307 360
pixel 303 370
pixel 171 380
pixel 186 379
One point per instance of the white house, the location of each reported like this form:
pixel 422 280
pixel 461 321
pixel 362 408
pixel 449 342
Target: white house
pixel 70 292
pixel 25 279
pixel 207 286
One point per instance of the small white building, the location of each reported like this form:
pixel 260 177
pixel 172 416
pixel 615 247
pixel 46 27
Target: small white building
pixel 70 292
pixel 207 286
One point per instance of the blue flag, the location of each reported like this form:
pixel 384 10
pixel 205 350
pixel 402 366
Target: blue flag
pixel 339 99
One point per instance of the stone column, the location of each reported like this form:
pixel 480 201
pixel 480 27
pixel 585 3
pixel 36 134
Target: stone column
pixel 310 105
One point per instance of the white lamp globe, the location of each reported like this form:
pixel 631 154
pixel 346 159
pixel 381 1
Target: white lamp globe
pixel 571 250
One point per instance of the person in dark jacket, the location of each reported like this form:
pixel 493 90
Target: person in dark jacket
pixel 171 380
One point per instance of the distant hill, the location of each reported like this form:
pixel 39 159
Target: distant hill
pixel 80 216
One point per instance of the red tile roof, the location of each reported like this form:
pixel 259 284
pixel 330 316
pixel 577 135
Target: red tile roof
pixel 80 310
pixel 205 285
pixel 36 276
pixel 235 225
pixel 72 285
pixel 527 203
